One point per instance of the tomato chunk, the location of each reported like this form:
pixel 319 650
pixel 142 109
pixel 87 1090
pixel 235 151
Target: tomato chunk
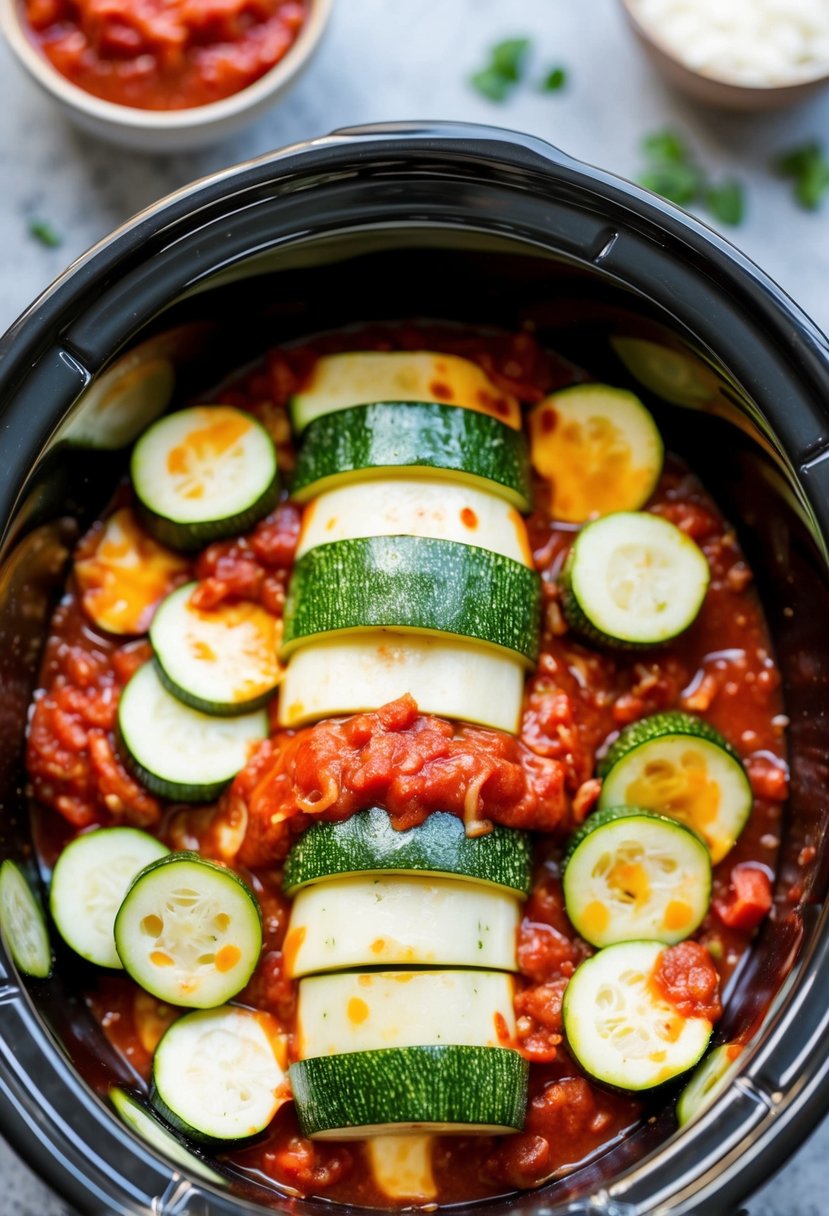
pixel 749 898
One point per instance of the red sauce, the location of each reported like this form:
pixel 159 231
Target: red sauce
pixel 164 54
pixel 575 702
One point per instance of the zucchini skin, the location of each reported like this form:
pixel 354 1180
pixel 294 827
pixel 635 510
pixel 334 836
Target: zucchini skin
pixel 367 842
pixel 414 583
pixel 434 1084
pixel 178 790
pixel 190 537
pixel 414 436
pixel 658 726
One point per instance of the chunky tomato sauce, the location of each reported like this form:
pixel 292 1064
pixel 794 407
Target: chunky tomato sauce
pixel 576 700
pixel 164 54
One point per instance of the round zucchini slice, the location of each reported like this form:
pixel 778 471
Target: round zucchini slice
pixel 222 660
pixel 633 580
pixel 89 882
pixel 707 1082
pixel 413 584
pixel 632 875
pixel 447 1089
pixel 419 439
pixel 204 473
pixel 189 931
pixel 361 377
pixel 619 1027
pixel 678 765
pixel 22 923
pixel 366 843
pixel 146 1124
pixel 179 752
pixel 598 447
pixel 219 1074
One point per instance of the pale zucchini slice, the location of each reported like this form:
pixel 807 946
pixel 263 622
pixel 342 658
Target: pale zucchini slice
pixel 633 580
pixel 409 506
pixel 402 1166
pixel 630 875
pixel 368 1010
pixel 220 660
pixel 146 1124
pixel 678 765
pixel 204 473
pixel 360 377
pixel 189 931
pixel 447 1089
pixel 620 1028
pixel 220 1074
pixel 447 677
pixel 22 923
pixel 89 882
pixel 391 920
pixel 707 1082
pixel 179 752
pixel 599 449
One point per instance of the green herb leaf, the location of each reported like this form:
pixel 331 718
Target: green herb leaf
pixel 809 169
pixel 726 202
pixel 45 233
pixel 508 58
pixel 555 79
pixel 491 84
pixel 677 182
pixel 666 147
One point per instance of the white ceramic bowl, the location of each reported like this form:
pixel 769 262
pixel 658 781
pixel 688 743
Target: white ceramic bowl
pixel 163 130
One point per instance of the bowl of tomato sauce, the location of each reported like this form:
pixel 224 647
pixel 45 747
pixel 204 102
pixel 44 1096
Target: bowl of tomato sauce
pixel 507 278
pixel 164 76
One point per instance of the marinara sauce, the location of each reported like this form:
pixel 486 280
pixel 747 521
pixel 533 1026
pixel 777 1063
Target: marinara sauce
pixel 164 54
pixel 576 699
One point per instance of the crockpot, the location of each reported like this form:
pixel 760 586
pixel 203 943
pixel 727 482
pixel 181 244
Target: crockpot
pixel 482 226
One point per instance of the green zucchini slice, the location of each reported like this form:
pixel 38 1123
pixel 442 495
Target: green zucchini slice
pixel 418 439
pixel 219 1074
pixel 89 882
pixel 598 447
pixel 413 584
pixel 366 843
pixel 632 875
pixel 619 1027
pixel 437 1088
pixel 633 580
pixel 223 660
pixel 179 752
pixel 678 765
pixel 361 377
pixel 22 923
pixel 391 920
pixel 189 931
pixel 707 1082
pixel 146 1124
pixel 204 473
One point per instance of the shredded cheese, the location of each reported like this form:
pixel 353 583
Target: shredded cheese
pixel 755 43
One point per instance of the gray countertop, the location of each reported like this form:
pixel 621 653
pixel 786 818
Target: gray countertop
pixel 396 59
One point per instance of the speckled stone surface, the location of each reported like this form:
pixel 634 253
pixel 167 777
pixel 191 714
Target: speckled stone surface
pixel 401 59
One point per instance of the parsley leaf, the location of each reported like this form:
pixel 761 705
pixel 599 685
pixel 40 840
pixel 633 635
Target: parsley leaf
pixel 491 84
pixel 45 233
pixel 555 79
pixel 679 183
pixel 726 202
pixel 507 61
pixel 673 173
pixel 665 146
pixel 809 169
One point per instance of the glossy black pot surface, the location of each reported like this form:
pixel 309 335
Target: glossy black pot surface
pixel 481 226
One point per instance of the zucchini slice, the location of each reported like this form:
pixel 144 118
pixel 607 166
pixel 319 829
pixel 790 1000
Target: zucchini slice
pixel 89 882
pixel 408 506
pixel 633 580
pixel 126 576
pixel 362 377
pixel 632 875
pixel 678 765
pixel 146 1124
pixel 366 843
pixel 204 473
pixel 393 920
pixel 598 447
pixel 346 675
pixel 176 751
pixel 431 1089
pixel 189 931
pixel 22 923
pixel 418 438
pixel 222 661
pixel 620 1028
pixel 707 1082
pixel 219 1074
pixel 413 584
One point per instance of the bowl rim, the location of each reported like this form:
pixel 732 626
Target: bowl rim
pixel 193 118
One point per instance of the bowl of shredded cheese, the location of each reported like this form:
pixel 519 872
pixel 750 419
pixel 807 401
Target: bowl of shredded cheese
pixel 737 55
